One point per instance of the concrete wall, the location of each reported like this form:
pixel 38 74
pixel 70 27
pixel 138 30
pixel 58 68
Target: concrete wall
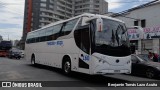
pixel 152 16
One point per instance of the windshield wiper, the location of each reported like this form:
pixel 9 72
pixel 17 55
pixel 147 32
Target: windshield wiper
pixel 123 30
pixel 117 38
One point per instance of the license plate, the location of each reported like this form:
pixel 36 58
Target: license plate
pixel 116 71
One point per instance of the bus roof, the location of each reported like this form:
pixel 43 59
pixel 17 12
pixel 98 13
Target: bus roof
pixel 85 14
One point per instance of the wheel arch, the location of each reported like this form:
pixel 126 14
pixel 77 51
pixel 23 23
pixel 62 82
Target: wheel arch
pixel 153 69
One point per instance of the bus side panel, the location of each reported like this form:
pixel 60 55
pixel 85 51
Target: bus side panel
pixel 47 54
pixel 28 51
pixel 70 49
pixel 51 58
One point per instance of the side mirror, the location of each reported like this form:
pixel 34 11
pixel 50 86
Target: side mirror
pixel 99 23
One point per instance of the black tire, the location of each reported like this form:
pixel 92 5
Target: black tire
pixel 33 60
pixel 150 73
pixel 66 67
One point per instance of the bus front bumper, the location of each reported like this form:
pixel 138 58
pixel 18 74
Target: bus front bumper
pixel 112 71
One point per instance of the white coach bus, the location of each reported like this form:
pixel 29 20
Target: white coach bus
pixel 88 43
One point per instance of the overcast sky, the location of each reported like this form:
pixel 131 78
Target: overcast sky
pixel 11 15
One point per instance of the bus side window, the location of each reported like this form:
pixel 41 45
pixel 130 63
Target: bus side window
pixel 36 36
pixel 49 32
pixel 85 41
pixel 42 36
pixel 56 29
pixel 68 27
pixel 81 36
pixel 28 38
pixel 32 40
pixel 28 41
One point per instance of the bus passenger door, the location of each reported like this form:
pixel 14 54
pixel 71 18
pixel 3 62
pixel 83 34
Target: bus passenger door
pixel 84 56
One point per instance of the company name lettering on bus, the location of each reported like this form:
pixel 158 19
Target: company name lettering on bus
pixel 59 43
pixel 86 58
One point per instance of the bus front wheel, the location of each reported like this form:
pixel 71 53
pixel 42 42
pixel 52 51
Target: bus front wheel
pixel 67 67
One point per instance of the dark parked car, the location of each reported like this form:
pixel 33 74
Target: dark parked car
pixel 13 54
pixel 142 65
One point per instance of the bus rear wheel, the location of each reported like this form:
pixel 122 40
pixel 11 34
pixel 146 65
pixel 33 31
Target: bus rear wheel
pixel 67 67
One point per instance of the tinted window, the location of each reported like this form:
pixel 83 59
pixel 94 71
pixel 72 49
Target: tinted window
pixel 144 57
pixel 36 36
pixel 134 59
pixel 82 39
pixel 56 30
pixel 49 32
pixel 28 38
pixel 42 36
pixel 31 38
pixel 68 27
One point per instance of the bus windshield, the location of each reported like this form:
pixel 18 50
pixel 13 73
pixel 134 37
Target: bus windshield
pixel 113 39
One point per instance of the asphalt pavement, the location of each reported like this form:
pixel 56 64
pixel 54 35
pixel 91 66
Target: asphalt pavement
pixel 22 70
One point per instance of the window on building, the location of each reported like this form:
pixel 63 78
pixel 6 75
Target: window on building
pixel 136 23
pixel 43 5
pixel 143 23
pixel 43 0
pixel 97 1
pixel 96 6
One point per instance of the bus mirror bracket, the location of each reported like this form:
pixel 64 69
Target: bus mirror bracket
pixel 99 22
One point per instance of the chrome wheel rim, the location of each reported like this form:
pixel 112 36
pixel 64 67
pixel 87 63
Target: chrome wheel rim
pixel 32 61
pixel 67 67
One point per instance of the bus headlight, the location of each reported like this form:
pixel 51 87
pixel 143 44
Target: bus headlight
pixel 158 68
pixel 105 61
pixel 101 60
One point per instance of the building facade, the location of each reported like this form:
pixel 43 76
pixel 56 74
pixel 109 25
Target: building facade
pixel 90 6
pixel 39 13
pixel 148 17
